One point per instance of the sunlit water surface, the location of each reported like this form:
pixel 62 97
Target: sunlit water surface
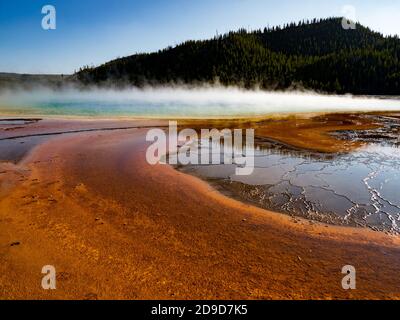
pixel 177 102
pixel 361 188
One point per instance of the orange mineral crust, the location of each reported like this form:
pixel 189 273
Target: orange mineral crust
pixel 116 227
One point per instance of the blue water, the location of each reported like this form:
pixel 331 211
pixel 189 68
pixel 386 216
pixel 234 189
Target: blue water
pixel 180 103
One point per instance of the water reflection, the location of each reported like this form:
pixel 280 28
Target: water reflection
pixel 358 188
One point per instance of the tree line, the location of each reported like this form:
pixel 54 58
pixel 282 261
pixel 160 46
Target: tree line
pixel 317 54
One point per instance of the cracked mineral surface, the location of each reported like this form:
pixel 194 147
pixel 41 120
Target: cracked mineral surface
pixel 359 188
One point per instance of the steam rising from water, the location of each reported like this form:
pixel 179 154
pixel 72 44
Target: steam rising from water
pixel 180 102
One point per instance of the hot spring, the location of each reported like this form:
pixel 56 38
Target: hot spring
pixel 180 102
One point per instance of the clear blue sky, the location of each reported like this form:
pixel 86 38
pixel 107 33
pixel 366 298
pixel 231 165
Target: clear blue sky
pixel 95 31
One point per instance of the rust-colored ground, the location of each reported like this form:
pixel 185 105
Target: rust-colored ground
pixel 115 227
pixel 304 131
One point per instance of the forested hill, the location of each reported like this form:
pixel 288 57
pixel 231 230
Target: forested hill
pixel 318 55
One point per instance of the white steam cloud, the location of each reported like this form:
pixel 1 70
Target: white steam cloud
pixel 182 102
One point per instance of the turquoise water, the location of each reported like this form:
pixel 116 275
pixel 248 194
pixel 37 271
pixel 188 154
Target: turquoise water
pixel 180 103
pixel 90 109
